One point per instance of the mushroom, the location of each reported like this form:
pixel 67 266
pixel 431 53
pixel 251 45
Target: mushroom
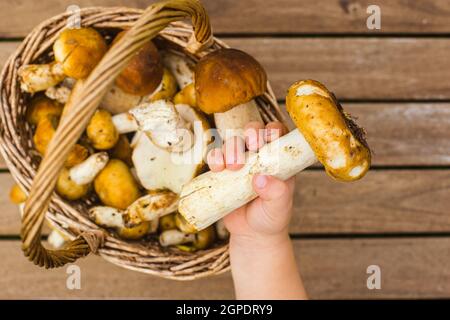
pixel 113 218
pixel 175 237
pixel 186 96
pixel 158 168
pixel 17 195
pixel 68 189
pixel 42 107
pixel 183 225
pixel 226 82
pixel 116 186
pixel 325 133
pixel 180 66
pixel 201 240
pixel 143 74
pixel 167 222
pixel 45 130
pixel 162 123
pixel 76 51
pixel 85 172
pixel 125 123
pixel 101 130
pixel 151 207
pixel 118 101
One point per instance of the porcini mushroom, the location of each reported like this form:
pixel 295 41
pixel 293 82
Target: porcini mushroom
pixel 42 107
pixel 76 51
pixel 325 133
pixel 113 218
pixel 226 82
pixel 101 130
pixel 158 168
pixel 116 186
pixel 151 207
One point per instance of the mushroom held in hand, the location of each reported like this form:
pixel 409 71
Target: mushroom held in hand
pixel 325 133
pixel 226 82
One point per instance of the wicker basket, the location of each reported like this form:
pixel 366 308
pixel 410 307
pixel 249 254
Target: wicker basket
pixel 160 21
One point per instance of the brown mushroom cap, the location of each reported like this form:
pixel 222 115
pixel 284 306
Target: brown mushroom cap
pixel 337 141
pixel 143 73
pixel 79 51
pixel 226 78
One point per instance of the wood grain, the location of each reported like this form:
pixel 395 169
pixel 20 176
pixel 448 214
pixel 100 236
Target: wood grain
pixel 332 269
pixel 392 201
pixel 354 68
pixel 17 18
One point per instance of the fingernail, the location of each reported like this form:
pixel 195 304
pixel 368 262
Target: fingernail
pixel 260 182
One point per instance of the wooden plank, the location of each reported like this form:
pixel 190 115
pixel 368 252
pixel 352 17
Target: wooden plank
pixel 281 16
pixel 332 269
pixel 354 68
pixel 392 201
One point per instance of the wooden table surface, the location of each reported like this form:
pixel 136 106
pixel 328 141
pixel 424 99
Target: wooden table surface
pixel 395 80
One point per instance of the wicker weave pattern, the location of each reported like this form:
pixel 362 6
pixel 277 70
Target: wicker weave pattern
pixel 16 146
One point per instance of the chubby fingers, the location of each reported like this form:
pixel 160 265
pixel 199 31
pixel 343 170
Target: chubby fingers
pixel 232 154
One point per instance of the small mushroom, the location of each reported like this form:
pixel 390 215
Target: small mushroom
pixel 151 207
pixel 205 238
pixel 76 51
pixel 45 131
pixel 86 171
pixel 101 130
pixel 42 107
pixel 167 222
pixel 17 195
pixel 113 218
pixel 116 186
pixel 181 67
pixel 175 237
pixel 183 225
pixel 166 89
pixel 68 189
pixel 226 82
pixel 186 96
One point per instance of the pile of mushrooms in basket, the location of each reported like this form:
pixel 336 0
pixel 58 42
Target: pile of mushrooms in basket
pixel 141 159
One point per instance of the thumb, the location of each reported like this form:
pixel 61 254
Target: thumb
pixel 274 204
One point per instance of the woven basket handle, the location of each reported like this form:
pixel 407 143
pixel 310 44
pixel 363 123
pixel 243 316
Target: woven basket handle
pixel 83 102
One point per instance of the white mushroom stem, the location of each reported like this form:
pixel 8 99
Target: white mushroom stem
pixel 232 122
pixel 125 123
pixel 181 68
pixel 163 125
pixel 212 195
pixel 39 77
pixel 86 171
pixel 175 237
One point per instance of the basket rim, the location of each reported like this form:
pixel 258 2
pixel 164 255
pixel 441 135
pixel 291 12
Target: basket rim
pixel 65 216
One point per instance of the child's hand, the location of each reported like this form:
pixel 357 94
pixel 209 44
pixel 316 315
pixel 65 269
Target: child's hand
pixel 262 258
pixel 267 216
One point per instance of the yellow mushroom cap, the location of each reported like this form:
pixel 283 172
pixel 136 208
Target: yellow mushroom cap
pixel 79 51
pixel 337 141
pixel 226 78
pixel 143 73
